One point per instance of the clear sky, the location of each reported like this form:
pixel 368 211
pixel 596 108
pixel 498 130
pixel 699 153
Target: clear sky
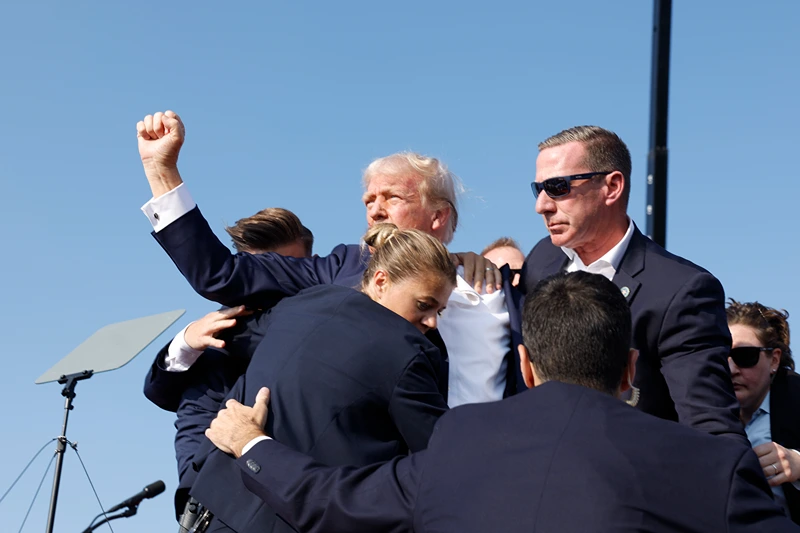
pixel 285 103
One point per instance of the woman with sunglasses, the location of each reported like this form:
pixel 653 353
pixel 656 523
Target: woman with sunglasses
pixel 768 390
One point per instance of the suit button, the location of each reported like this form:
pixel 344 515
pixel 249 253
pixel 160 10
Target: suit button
pixel 254 466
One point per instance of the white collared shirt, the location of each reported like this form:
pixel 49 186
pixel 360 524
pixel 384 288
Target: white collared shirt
pixel 608 264
pixel 476 330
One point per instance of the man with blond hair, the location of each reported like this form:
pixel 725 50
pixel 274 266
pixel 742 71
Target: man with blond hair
pixel 480 328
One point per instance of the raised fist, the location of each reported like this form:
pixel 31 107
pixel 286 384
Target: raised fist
pixel 160 139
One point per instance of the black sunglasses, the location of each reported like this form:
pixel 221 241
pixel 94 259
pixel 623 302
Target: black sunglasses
pixel 747 356
pixel 557 187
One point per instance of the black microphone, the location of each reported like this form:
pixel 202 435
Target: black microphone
pixel 151 490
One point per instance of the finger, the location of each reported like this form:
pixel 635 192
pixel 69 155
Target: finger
pixel 261 406
pixel 158 126
pixel 767 460
pixel 233 311
pixel 148 126
pixel 141 132
pixel 763 449
pixel 221 324
pixel 174 123
pixel 213 342
pixel 776 480
pixel 232 404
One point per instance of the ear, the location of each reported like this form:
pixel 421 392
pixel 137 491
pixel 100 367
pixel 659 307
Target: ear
pixel 380 282
pixel 525 367
pixel 775 360
pixel 615 187
pixel 629 372
pixel 441 218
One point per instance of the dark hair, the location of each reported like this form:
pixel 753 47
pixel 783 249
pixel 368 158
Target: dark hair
pixel 771 326
pixel 577 329
pixel 605 151
pixel 269 229
pixel 501 242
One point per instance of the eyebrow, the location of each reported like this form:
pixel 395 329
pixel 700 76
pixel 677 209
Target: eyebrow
pixel 432 300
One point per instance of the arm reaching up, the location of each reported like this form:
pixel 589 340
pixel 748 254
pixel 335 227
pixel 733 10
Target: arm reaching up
pixel 160 137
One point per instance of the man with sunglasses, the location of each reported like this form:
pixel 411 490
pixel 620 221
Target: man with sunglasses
pixel 582 188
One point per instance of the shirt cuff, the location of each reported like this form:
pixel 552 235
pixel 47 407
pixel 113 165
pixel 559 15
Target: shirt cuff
pixel 169 207
pixel 249 445
pixel 180 356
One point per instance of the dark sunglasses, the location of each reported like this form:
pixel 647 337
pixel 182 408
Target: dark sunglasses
pixel 557 187
pixel 747 356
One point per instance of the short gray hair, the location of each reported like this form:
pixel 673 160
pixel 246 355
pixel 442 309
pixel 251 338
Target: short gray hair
pixel 437 185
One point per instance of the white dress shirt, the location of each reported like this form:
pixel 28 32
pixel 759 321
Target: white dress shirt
pixel 477 332
pixel 608 264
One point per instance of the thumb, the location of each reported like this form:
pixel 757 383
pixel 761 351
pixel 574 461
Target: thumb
pixel 261 405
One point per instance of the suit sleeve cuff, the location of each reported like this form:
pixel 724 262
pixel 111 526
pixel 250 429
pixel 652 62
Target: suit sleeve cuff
pixel 249 445
pixel 169 207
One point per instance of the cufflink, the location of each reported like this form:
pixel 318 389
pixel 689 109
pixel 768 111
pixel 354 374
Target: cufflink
pixel 155 216
pixel 254 466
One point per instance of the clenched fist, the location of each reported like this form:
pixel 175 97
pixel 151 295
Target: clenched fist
pixel 160 138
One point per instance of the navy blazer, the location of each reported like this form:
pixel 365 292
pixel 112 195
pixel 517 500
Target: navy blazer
pixel 352 383
pixel 250 279
pixel 784 409
pixel 558 458
pixel 679 328
pixel 197 394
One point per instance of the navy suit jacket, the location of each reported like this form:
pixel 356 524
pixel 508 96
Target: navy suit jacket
pixel 249 279
pixel 784 409
pixel 558 458
pixel 679 328
pixel 197 394
pixel 352 383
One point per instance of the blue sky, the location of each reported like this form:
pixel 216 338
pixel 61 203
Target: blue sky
pixel 285 103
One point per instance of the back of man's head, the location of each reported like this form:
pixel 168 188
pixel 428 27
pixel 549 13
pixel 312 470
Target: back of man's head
pixel 577 329
pixel 272 230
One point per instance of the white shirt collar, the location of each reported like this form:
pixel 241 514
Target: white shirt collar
pixel 613 257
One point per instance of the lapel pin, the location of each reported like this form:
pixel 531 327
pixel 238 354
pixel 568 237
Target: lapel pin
pixel 625 291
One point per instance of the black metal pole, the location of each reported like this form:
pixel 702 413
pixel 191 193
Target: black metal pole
pixel 68 392
pixel 659 100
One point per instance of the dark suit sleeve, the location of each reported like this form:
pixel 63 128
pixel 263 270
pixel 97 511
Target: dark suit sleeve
pixel 694 343
pixel 242 278
pixel 750 504
pixel 416 403
pixel 314 498
pixel 162 387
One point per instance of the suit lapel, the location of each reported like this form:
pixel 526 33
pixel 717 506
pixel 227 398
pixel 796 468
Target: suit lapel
pixel 632 264
pixel 558 264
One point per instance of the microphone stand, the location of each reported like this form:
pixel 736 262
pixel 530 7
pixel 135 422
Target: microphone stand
pixel 130 511
pixel 69 382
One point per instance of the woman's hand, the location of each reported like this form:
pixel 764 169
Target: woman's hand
pixel 781 465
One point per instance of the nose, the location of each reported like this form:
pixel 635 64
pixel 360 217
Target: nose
pixel 376 211
pixel 544 204
pixel 430 321
pixel 734 369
